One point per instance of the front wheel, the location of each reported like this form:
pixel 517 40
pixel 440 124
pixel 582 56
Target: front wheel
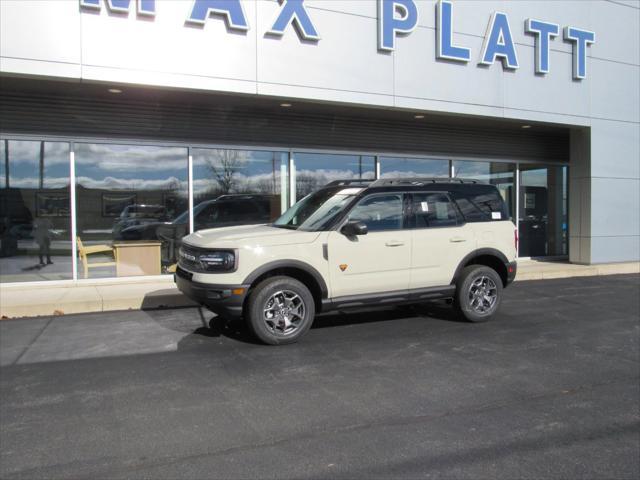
pixel 280 310
pixel 478 293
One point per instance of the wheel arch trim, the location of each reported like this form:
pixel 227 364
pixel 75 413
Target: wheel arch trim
pixel 296 264
pixel 492 252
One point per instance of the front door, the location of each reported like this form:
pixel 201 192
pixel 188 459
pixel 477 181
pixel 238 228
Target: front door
pixel 377 262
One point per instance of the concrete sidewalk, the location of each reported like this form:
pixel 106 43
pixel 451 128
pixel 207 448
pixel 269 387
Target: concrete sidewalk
pixel 83 297
pixel 30 300
pixel 547 269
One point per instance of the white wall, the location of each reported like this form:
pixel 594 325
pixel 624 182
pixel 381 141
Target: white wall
pixel 56 39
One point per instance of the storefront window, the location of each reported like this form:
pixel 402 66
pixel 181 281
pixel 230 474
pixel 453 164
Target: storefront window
pixel 35 224
pixel 314 170
pixel 398 167
pixel 131 206
pixel 237 187
pixel 543 211
pixel 502 175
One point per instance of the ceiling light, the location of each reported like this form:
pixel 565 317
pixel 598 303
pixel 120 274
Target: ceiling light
pixel 418 116
pixel 114 90
pixel 285 105
pixel 526 126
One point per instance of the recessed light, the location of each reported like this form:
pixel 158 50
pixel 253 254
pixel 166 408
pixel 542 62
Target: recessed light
pixel 418 116
pixel 114 90
pixel 285 105
pixel 526 126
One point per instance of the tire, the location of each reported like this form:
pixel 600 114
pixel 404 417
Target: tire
pixel 469 300
pixel 280 310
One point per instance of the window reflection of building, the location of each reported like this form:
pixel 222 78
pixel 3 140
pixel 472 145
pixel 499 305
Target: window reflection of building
pixel 313 170
pixel 139 193
pixel 398 167
pixel 246 185
pixel 35 224
pixel 125 193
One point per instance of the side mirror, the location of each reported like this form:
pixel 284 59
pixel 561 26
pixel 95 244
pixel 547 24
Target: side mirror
pixel 351 229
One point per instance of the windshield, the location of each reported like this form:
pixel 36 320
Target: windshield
pixel 314 211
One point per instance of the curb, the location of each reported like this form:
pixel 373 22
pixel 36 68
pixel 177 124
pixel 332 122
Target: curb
pixel 17 301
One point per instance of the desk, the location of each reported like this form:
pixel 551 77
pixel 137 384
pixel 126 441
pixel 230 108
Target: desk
pixel 137 258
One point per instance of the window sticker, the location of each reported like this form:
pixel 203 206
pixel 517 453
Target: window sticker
pixel 425 206
pixel 496 215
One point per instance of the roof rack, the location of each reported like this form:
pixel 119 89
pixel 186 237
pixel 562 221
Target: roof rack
pixel 341 183
pixel 388 182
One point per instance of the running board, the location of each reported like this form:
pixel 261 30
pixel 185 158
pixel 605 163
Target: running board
pixel 388 298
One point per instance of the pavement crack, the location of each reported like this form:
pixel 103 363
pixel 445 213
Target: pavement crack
pixel 35 339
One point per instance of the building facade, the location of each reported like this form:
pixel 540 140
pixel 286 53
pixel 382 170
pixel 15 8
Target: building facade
pixel 126 124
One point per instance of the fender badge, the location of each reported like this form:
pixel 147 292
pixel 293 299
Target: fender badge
pixel 343 267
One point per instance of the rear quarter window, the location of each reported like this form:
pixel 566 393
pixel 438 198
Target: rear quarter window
pixel 481 205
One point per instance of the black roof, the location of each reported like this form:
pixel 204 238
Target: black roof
pixel 417 184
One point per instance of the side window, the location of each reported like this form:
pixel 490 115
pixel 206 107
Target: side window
pixel 481 206
pixel 379 212
pixel 433 210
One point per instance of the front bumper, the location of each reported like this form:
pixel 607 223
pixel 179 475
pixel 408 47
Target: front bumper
pixel 512 269
pixel 225 300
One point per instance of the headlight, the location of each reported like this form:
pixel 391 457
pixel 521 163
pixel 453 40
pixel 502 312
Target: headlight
pixel 217 261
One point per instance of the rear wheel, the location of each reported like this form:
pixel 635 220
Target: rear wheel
pixel 280 310
pixel 478 293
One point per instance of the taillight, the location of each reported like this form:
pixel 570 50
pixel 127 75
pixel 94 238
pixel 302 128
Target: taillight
pixel 515 238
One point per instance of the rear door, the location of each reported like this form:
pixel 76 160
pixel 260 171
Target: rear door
pixel 379 261
pixel 440 239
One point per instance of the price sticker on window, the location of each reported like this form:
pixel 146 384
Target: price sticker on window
pixel 425 206
pixel 496 215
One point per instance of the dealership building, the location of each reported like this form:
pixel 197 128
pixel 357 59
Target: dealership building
pixel 126 124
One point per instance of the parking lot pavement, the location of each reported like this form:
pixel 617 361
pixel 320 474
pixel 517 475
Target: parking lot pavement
pixel 548 389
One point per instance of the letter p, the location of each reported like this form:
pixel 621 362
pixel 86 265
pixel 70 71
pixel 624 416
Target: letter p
pixel 395 16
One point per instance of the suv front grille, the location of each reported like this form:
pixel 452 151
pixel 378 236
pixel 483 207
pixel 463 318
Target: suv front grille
pixel 206 260
pixel 188 258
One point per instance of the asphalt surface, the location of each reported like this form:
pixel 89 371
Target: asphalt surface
pixel 549 389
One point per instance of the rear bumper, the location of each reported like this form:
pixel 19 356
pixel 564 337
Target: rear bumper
pixel 225 300
pixel 512 269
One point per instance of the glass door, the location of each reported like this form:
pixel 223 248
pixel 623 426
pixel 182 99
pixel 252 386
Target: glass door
pixel 542 221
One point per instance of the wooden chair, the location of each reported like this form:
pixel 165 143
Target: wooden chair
pixel 84 253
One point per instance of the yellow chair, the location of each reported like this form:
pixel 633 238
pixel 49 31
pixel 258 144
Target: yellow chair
pixel 86 251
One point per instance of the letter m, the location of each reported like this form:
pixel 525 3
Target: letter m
pixel 144 7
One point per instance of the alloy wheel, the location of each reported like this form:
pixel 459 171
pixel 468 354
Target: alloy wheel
pixel 284 312
pixel 483 294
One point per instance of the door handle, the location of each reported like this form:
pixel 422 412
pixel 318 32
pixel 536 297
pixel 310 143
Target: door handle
pixel 394 243
pixel 457 239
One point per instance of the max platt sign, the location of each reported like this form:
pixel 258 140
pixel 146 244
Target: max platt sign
pixel 394 18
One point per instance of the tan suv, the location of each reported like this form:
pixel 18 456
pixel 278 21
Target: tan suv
pixel 354 244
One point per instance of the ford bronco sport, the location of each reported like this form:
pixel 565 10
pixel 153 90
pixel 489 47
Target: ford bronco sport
pixel 354 244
